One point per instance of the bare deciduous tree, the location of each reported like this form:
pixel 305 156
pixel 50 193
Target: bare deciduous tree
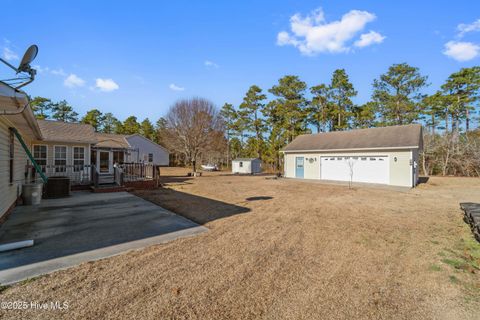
pixel 192 128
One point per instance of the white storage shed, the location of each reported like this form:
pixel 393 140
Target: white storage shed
pixel 247 165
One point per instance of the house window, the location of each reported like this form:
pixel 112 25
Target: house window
pixel 60 158
pixel 241 164
pixel 150 157
pixel 11 155
pixel 118 157
pixel 78 158
pixel 40 155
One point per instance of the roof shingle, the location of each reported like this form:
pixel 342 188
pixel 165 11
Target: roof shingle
pixel 59 131
pixel 110 140
pixel 372 138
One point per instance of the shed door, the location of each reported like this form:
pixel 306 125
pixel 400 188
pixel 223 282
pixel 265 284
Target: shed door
pixel 299 167
pixel 370 169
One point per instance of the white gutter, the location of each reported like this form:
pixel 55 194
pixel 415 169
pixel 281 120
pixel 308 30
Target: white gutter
pixel 348 149
pixel 25 111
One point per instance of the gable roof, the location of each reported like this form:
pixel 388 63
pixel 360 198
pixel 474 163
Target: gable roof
pixel 146 139
pixel 393 137
pixel 111 140
pixel 59 131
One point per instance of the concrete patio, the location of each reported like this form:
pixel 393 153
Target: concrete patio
pixel 84 227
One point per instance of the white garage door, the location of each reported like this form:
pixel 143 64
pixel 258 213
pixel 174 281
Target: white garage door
pixel 372 169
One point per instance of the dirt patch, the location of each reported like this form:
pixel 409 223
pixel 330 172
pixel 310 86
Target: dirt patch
pixel 282 249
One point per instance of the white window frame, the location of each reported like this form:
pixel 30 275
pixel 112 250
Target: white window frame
pixel 46 154
pixel 55 169
pixel 84 157
pixel 148 157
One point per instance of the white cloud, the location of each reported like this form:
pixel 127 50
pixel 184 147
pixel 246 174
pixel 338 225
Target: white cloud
pixel 174 87
pixel 73 81
pixel 461 51
pixel 369 38
pixel 211 64
pixel 9 54
pixel 106 85
pixel 40 69
pixel 464 28
pixel 58 72
pixel 313 34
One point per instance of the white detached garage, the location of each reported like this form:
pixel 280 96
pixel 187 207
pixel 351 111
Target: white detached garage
pixel 387 155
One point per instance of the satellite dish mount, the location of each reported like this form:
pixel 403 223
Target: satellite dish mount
pixel 23 67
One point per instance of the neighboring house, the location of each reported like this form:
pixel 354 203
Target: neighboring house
pixel 386 155
pixel 246 165
pixel 73 149
pixel 16 114
pixel 136 148
pixel 148 151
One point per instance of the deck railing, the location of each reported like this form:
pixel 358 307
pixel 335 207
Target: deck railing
pixel 78 174
pixel 137 171
pixel 88 175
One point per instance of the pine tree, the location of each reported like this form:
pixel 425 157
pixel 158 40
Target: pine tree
pixel 319 111
pixel 62 111
pixel 95 118
pixel 398 95
pixel 147 130
pixel 341 104
pixel 250 110
pixel 41 107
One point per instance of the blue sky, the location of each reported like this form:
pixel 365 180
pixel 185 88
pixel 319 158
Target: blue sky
pixel 137 58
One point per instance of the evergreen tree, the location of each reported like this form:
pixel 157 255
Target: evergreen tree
pixel 398 95
pixel 131 125
pixel 365 116
pixel 147 130
pixel 229 116
pixel 463 87
pixel 250 110
pixel 288 113
pixel 62 111
pixel 41 107
pixel 341 104
pixel 95 118
pixel 110 123
pixel 319 111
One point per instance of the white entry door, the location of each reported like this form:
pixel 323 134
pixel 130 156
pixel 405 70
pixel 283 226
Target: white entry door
pixel 370 169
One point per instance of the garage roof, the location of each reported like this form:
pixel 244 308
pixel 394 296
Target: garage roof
pixel 393 137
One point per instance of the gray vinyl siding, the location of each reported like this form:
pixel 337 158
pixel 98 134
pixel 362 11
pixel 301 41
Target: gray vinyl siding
pixel 9 192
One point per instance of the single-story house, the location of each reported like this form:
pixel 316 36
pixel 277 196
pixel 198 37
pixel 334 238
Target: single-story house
pixel 15 115
pixel 247 165
pixel 72 149
pixel 384 155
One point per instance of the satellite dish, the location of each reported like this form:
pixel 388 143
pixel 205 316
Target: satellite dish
pixel 28 57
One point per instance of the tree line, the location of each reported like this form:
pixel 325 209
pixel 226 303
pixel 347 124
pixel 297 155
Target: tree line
pixel 45 109
pixel 266 121
pixel 261 126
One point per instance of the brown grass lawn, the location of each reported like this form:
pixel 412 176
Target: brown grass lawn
pixel 284 249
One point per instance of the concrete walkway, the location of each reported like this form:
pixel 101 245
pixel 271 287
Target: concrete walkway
pixel 84 227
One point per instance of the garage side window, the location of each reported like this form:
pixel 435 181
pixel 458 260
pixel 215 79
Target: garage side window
pixel 60 158
pixel 40 156
pixel 78 158
pixel 241 164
